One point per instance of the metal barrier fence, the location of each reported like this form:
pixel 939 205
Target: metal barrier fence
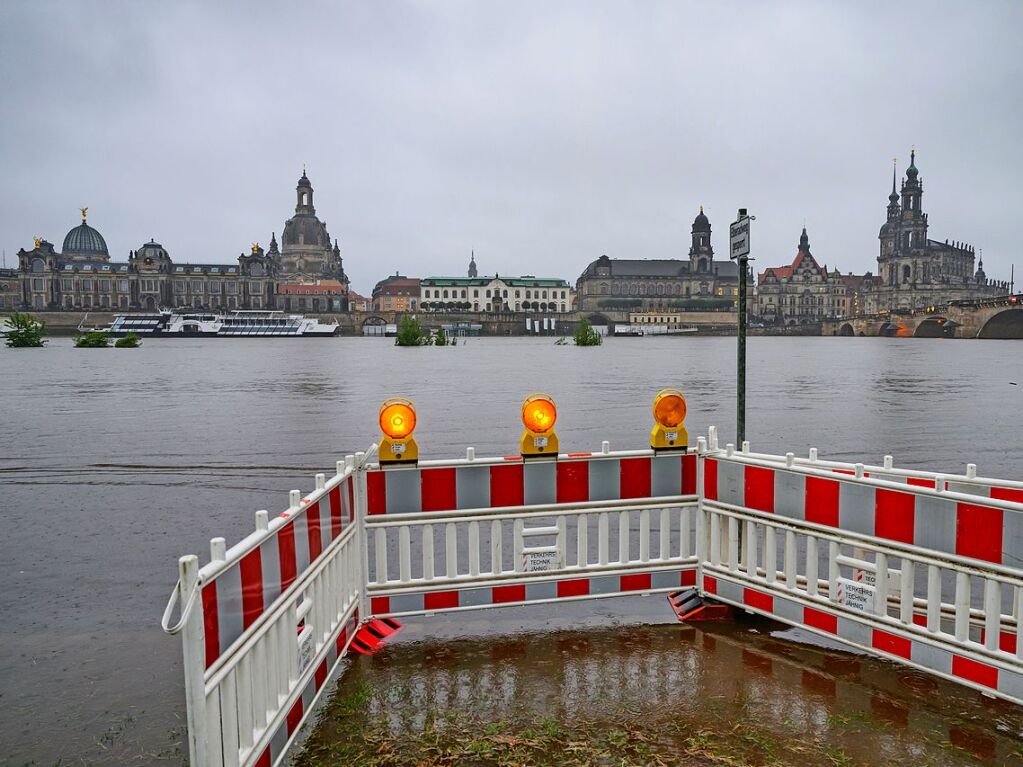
pixel 913 566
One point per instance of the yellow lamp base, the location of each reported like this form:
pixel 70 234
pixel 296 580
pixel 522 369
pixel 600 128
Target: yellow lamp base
pixel 543 445
pixel 675 438
pixel 397 451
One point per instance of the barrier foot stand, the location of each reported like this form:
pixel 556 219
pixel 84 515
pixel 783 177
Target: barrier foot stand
pixel 373 633
pixel 690 607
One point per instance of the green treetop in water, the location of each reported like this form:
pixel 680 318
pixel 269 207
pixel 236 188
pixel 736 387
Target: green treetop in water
pixel 24 331
pixel 411 333
pixel 587 336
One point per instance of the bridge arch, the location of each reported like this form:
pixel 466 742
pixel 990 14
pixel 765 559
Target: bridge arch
pixel 846 329
pixel 598 319
pixel 935 327
pixel 374 320
pixel 1005 324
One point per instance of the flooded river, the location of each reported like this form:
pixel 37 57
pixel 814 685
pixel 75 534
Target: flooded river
pixel 115 462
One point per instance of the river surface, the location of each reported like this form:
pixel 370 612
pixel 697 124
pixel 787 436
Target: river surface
pixel 113 463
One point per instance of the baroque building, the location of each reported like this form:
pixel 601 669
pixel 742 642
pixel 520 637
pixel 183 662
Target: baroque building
pixel 802 292
pixel 915 271
pixel 696 282
pixel 396 293
pixel 81 275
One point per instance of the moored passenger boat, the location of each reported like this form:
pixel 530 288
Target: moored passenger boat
pixel 236 324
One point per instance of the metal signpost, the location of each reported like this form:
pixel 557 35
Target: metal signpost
pixel 739 249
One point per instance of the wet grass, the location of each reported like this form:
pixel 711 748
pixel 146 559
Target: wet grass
pixel 649 696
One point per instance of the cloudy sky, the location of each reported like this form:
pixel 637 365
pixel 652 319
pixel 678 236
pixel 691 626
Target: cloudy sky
pixel 540 134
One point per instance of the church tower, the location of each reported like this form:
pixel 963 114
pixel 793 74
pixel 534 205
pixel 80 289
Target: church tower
pixel 701 254
pixel 914 220
pixel 472 265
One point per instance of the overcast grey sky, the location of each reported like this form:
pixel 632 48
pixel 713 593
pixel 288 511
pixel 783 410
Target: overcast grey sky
pixel 539 134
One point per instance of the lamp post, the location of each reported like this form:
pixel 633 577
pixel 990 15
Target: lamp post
pixel 739 251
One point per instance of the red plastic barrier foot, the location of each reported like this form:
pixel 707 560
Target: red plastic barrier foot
pixel 690 607
pixel 372 635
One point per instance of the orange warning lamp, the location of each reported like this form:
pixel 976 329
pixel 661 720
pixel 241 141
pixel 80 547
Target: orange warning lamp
pixel 669 432
pixel 397 422
pixel 539 413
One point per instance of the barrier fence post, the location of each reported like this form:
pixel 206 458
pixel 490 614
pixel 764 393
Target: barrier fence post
pixel 194 659
pixel 359 494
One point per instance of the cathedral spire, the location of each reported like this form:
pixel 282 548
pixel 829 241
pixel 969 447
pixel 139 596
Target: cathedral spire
pixel 472 264
pixel 804 240
pixel 894 196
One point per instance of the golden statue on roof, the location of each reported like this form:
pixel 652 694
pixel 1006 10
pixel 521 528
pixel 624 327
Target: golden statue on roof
pixel 85 211
pixel 38 241
pixel 255 248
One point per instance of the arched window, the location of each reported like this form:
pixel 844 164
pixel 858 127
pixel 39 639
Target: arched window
pixel 38 265
pixel 906 272
pixel 604 289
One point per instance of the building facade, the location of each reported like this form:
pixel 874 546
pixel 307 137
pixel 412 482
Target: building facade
pixel 396 293
pixel 802 292
pixel 81 275
pixel 915 271
pixel 10 290
pixel 475 293
pixel 696 282
pixel 319 296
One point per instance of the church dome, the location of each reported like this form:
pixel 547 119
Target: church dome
pixel 305 230
pixel 83 240
pixel 701 223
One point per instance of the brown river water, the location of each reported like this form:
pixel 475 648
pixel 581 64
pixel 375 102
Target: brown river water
pixel 115 462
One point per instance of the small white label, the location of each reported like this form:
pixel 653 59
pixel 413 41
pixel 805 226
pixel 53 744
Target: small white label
pixel 398 447
pixel 671 436
pixel 540 561
pixel 305 648
pixel 856 596
pixel 869 578
pixel 539 441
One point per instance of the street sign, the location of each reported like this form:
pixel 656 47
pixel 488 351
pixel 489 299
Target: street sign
pixel 738 234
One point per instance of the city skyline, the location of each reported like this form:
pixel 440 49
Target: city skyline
pixel 539 140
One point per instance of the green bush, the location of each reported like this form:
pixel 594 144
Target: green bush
pixel 130 341
pixel 440 339
pixel 411 333
pixel 94 339
pixel 587 336
pixel 24 331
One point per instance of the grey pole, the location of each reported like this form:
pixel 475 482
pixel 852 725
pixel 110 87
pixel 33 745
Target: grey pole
pixel 740 378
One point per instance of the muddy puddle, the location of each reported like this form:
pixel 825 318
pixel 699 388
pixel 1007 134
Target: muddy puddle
pixel 750 693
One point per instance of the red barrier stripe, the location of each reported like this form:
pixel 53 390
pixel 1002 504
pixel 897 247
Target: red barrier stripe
pixel 979 532
pixel 758 599
pixel 577 587
pixel 505 594
pixel 440 600
pixel 507 487
pixel 380 605
pixel 438 489
pixel 286 553
pixel 335 511
pixel 893 515
pixel 295 717
pixel 634 478
pixel 920 482
pixel 710 479
pixel 710 584
pixel 689 475
pixel 573 481
pixel 342 640
pixel 759 488
pixel 321 674
pixel 821 506
pixel 889 643
pixel 264 758
pixel 820 620
pixel 251 569
pixel 975 671
pixel 376 493
pixel 688 578
pixel 211 622
pixel 579 455
pixel 312 518
pixel 1007 494
pixel 637 582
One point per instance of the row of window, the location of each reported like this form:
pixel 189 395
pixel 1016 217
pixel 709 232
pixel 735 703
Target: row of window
pixel 103 285
pixel 454 293
pixel 660 289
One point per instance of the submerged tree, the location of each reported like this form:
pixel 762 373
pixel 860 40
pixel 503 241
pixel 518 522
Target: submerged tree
pixel 94 339
pixel 411 333
pixel 441 338
pixel 586 335
pixel 24 331
pixel 130 341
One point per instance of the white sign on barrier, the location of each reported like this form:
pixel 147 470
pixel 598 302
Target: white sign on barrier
pixel 305 648
pixel 856 596
pixel 869 578
pixel 541 561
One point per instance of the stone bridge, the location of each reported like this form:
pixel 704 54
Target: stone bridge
pixel 993 318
